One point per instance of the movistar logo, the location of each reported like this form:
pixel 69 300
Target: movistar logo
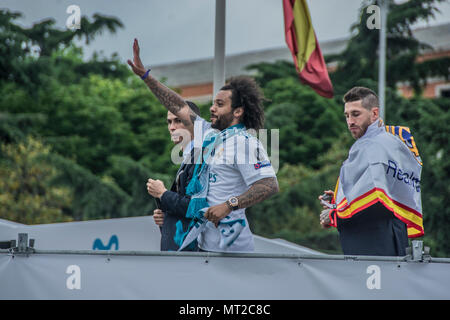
pixel 98 244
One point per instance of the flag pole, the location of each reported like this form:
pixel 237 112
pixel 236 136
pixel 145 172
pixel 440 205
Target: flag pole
pixel 382 58
pixel 219 47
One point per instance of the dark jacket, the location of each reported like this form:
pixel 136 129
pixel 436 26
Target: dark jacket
pixel 374 231
pixel 174 204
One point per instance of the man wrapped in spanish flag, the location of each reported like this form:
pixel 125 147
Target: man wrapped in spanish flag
pixel 376 204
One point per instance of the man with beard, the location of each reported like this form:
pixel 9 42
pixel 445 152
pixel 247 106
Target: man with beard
pixel 376 204
pixel 232 172
pixel 170 217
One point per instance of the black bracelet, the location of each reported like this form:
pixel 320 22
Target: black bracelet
pixel 146 74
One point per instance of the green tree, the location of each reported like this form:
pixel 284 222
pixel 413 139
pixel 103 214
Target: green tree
pixel 360 58
pixel 132 177
pixel 26 53
pixel 104 128
pixel 27 192
pixel 94 197
pixel 308 123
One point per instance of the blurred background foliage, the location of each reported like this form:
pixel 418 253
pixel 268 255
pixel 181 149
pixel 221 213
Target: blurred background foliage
pixel 79 139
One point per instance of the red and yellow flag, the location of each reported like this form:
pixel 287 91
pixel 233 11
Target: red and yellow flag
pixel 303 44
pixel 412 218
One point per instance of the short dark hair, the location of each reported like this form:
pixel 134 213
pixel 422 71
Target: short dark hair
pixel 368 97
pixel 246 93
pixel 193 107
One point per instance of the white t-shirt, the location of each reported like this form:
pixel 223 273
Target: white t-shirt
pixel 236 164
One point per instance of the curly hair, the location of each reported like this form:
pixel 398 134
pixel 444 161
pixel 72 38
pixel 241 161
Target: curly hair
pixel 246 93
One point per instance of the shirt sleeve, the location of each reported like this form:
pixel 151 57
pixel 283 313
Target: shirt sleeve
pixel 255 165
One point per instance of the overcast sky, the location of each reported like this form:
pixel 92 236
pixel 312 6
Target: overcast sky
pixel 182 30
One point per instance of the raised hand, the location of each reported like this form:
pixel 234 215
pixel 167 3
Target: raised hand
pixel 136 65
pixel 169 98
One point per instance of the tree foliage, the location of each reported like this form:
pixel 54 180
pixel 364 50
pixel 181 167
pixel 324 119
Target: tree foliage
pixel 308 123
pixel 106 133
pixel 360 58
pixel 27 192
pixel 32 56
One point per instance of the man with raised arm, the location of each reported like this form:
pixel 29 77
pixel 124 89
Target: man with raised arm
pixel 233 171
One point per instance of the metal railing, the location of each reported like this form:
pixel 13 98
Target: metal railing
pixel 416 253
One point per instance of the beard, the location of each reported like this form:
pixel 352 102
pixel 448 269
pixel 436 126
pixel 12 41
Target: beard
pixel 359 131
pixel 223 121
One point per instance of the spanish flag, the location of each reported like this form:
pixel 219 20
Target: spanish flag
pixel 302 43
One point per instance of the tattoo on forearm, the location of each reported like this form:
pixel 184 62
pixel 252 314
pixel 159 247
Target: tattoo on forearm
pixel 169 98
pixel 259 191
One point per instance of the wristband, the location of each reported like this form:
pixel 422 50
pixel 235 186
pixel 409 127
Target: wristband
pixel 146 74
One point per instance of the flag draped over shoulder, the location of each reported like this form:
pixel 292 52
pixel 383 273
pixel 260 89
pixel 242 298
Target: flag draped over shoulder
pixel 382 168
pixel 303 44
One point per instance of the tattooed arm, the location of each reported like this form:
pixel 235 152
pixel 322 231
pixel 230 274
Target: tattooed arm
pixel 172 101
pixel 259 191
pixel 169 98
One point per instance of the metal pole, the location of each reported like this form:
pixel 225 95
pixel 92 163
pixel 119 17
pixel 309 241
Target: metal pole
pixel 219 47
pixel 382 58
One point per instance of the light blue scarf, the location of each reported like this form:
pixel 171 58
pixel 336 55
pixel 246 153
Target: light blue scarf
pixel 199 185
